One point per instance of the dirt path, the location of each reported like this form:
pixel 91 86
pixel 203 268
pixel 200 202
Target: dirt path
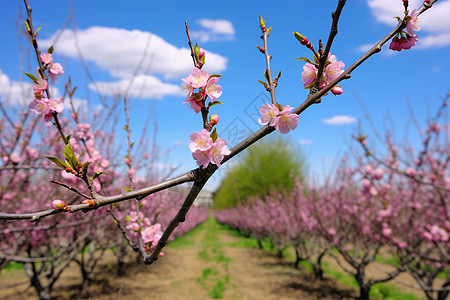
pixel 207 263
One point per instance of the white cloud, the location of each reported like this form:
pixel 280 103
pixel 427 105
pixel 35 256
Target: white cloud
pixel 14 92
pixel 339 120
pixel 305 142
pixel 214 30
pixel 434 41
pixel 119 51
pixel 435 27
pixel 142 86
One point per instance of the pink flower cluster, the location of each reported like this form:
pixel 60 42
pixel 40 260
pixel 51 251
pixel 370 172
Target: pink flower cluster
pixel 142 227
pixel 282 120
pixel 333 69
pixel 199 85
pixel 205 150
pixel 40 104
pixel 54 69
pixel 405 40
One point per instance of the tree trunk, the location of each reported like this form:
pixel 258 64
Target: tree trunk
pixel 442 295
pixel 317 267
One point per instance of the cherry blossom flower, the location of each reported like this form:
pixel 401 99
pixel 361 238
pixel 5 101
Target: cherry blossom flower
pixel 268 112
pixel 40 87
pixel 197 79
pixel 152 234
pixel 194 103
pixel 55 70
pixel 309 74
pixel 203 158
pixel 213 90
pixel 40 106
pixel 413 24
pixel 333 70
pixel 200 141
pixel 398 44
pixel 15 158
pixel 285 121
pixel 405 40
pixel 219 149
pixel 56 104
pixel 47 58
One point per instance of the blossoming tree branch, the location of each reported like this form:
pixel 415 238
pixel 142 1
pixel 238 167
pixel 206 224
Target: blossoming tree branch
pixel 321 74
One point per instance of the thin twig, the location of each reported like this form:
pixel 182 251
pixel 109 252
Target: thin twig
pixel 72 189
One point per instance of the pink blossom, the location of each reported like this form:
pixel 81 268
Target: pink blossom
pixel 195 101
pixel 377 174
pixel 41 85
pixel 15 158
pixel 203 158
pixel 384 213
pixel 213 90
pixel 55 70
pixel 333 70
pixel 309 74
pixel 56 105
pixel 413 24
pixel 332 231
pixel 48 117
pixel 397 44
pixel 386 231
pixel 439 234
pixel 200 141
pixel 152 234
pixel 40 106
pixel 219 149
pixel 268 112
pixel 46 58
pixel 197 79
pixel 286 121
pixel 410 171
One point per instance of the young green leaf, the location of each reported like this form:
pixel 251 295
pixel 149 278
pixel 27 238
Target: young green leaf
pixel 214 135
pixel 266 74
pixel 50 50
pixel 97 174
pixel 197 51
pixel 263 83
pixel 70 156
pixel 32 77
pixel 85 166
pixel 304 59
pixel 214 75
pixel 57 161
pixel 214 103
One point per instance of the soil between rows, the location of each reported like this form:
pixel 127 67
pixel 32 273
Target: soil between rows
pixel 207 263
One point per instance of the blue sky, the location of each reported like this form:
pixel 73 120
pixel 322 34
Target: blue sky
pixel 114 36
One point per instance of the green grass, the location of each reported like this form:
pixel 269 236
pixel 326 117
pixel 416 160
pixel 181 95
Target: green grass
pixel 186 240
pixel 12 265
pixel 217 290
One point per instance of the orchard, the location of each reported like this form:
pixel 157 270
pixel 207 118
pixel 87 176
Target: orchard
pixel 73 188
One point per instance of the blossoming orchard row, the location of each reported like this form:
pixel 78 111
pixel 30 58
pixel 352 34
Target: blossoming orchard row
pixel 397 206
